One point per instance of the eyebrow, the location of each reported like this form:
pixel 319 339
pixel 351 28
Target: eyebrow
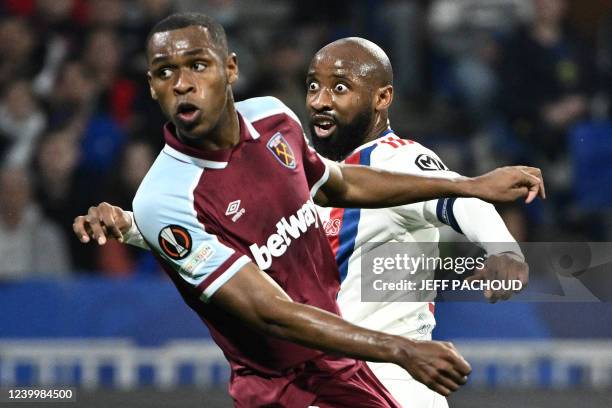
pixel 164 57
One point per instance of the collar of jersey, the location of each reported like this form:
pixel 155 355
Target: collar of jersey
pixel 384 134
pixel 213 159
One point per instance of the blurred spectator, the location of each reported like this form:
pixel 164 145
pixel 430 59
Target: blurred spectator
pixel 139 20
pixel 64 192
pixel 17 46
pixel 284 72
pixel 30 245
pixel 82 101
pixel 102 57
pixel 604 60
pixel 21 122
pixel 154 10
pixel 60 19
pixel 135 163
pixel 106 13
pixel 115 258
pixel 547 77
pixel 73 96
pixel 56 15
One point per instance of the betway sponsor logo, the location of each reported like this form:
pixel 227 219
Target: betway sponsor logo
pixel 286 231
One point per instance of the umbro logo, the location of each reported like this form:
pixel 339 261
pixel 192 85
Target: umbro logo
pixel 234 210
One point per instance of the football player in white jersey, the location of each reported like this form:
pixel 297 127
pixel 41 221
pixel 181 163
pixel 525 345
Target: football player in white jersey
pixel 350 89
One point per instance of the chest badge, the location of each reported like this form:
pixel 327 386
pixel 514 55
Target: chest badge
pixel 281 150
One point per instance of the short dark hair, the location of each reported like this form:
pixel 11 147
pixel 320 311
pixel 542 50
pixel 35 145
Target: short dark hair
pixel 182 20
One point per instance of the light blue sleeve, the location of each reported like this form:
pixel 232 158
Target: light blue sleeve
pixel 165 214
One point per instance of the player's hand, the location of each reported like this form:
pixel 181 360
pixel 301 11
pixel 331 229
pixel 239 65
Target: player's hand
pixel 101 223
pixel 436 364
pixel 503 267
pixel 510 183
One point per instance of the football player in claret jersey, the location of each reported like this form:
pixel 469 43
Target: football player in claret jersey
pixel 349 89
pixel 228 210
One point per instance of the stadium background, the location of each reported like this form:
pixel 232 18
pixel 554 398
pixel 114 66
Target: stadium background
pixel 482 82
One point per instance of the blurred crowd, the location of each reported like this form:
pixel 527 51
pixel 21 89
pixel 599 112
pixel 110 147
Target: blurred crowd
pixel 483 82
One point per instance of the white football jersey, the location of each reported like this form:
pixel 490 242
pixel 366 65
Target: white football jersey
pixel 349 229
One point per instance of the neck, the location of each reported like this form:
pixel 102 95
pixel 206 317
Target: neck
pixel 380 125
pixel 225 134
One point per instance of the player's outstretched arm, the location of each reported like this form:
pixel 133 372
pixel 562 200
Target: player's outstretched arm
pixel 481 223
pixel 365 187
pixel 256 299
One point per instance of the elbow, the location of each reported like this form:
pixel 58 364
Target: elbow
pixel 272 317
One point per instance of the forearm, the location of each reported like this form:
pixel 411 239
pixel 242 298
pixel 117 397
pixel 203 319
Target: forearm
pixel 325 331
pixel 478 220
pixel 253 297
pixel 481 223
pixel 366 187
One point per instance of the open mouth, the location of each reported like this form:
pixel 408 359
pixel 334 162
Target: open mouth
pixel 187 112
pixel 324 127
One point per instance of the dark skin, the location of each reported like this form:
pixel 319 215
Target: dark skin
pixel 347 77
pixel 187 71
pixel 176 77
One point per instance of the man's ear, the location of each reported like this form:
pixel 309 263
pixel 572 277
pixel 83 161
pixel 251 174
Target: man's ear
pixel 231 67
pixel 384 98
pixel 153 94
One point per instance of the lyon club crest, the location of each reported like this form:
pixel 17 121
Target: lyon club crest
pixel 282 151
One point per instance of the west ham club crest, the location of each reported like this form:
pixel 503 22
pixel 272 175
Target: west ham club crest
pixel 281 150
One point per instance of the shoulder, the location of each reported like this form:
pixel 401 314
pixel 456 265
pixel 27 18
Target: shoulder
pixel 392 147
pixel 256 109
pixel 167 188
pixel 404 155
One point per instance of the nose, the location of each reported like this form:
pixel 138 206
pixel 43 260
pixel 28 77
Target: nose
pixel 320 100
pixel 184 83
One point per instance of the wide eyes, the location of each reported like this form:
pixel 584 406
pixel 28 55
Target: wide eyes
pixel 338 88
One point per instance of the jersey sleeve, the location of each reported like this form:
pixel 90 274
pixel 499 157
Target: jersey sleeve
pixel 315 168
pixel 172 230
pixel 472 217
pixel 418 160
pixel 133 236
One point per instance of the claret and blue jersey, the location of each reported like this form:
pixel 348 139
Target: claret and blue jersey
pixel 205 214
